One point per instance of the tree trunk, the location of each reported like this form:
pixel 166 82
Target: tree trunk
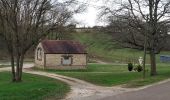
pixel 13 67
pixel 18 69
pixel 153 63
pixel 144 60
pixel 11 52
pixel 21 66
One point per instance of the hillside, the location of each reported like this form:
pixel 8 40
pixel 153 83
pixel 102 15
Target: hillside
pixel 101 46
pixel 3 50
pixel 4 55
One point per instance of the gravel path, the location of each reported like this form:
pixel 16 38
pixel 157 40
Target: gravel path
pixel 81 90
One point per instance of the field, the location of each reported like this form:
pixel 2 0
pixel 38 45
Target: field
pixel 33 87
pixel 110 75
pixel 102 46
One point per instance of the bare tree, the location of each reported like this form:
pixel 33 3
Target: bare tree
pixel 142 18
pixel 23 24
pixel 64 18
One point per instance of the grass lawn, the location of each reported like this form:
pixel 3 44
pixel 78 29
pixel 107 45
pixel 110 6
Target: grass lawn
pixel 110 75
pixel 102 46
pixel 2 66
pixel 33 87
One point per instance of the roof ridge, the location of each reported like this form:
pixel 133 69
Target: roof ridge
pixel 63 46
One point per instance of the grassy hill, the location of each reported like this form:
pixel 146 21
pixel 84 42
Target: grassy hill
pixel 3 50
pixel 4 54
pixel 101 46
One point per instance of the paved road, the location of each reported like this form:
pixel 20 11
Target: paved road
pixel 157 92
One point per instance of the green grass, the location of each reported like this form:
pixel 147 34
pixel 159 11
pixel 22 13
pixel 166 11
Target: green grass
pixel 95 68
pixel 104 79
pixel 33 87
pixel 102 46
pixel 110 75
pixel 2 66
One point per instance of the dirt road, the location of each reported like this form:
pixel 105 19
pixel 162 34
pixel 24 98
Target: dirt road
pixel 81 90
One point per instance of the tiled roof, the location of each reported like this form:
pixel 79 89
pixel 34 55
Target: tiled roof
pixel 63 47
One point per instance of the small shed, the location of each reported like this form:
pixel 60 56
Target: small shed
pixel 60 54
pixel 165 58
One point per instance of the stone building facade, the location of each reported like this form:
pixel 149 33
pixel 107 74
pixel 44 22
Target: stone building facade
pixel 60 54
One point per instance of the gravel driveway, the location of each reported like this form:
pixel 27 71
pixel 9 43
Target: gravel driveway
pixel 81 90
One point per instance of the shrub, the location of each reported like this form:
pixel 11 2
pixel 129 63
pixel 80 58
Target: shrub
pixel 139 68
pixel 130 66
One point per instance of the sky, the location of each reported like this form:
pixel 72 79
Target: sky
pixel 89 17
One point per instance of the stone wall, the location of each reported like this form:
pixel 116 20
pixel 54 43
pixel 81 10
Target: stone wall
pixel 53 61
pixel 39 63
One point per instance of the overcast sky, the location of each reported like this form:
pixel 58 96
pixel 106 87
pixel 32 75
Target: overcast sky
pixel 89 17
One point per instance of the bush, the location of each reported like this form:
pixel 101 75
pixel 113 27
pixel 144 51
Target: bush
pixel 130 66
pixel 139 68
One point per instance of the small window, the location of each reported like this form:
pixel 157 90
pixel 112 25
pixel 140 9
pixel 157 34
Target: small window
pixel 66 60
pixel 39 54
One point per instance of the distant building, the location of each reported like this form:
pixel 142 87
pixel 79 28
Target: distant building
pixel 89 29
pixel 60 54
pixel 82 29
pixel 165 58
